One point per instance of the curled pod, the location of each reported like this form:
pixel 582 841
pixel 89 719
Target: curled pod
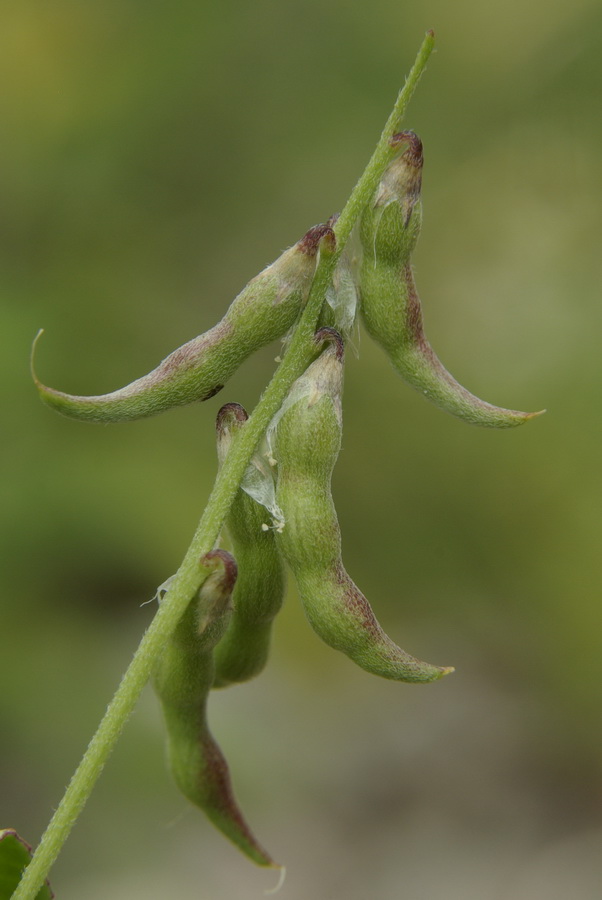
pixel 390 304
pixel 308 440
pixel 259 592
pixel 182 679
pixel 264 311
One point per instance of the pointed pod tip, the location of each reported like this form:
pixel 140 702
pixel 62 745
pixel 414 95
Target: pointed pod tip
pixel 50 396
pixel 431 673
pixel 36 380
pixel 281 879
pixel 257 854
pixel 69 405
pixel 484 414
pixel 514 418
pixel 246 841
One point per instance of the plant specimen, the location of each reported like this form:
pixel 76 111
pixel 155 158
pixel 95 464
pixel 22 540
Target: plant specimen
pixel 272 489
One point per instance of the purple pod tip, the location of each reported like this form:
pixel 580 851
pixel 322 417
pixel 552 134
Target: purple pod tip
pixel 228 414
pixel 413 153
pixel 316 237
pixel 227 579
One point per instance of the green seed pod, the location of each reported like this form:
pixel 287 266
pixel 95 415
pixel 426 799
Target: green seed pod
pixel 390 303
pixel 182 679
pixel 308 440
pixel 243 651
pixel 264 311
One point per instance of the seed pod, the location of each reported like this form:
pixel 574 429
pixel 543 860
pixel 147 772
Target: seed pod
pixel 182 679
pixel 390 303
pixel 243 651
pixel 264 311
pixel 308 440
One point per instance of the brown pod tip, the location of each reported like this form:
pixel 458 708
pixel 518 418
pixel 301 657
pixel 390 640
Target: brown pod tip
pixel 330 334
pixel 230 413
pixel 320 236
pixel 213 559
pixel 413 153
pixel 223 809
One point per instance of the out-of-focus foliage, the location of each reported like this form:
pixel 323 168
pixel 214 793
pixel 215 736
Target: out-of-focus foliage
pixel 15 854
pixel 155 157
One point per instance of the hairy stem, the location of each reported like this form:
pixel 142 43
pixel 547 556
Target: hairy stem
pixel 383 152
pixel 190 575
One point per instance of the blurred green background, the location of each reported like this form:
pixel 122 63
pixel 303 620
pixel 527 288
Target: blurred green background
pixel 154 157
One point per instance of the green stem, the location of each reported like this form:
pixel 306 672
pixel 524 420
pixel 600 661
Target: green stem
pixel 190 575
pixel 383 153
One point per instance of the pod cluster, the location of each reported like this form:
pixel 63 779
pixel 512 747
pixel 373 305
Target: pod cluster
pixel 283 512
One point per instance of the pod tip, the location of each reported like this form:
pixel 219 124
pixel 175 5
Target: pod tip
pixel 317 238
pixel 228 414
pixel 281 879
pixel 36 380
pixel 534 415
pixel 519 418
pixel 413 153
pixel 216 558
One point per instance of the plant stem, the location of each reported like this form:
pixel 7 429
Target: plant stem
pixel 383 153
pixel 191 575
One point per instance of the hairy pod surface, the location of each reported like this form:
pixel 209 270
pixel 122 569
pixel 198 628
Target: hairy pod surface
pixel 308 440
pixel 264 311
pixel 390 304
pixel 258 595
pixel 182 679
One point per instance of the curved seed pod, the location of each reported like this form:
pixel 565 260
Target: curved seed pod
pixel 259 593
pixel 308 440
pixel 182 679
pixel 390 304
pixel 264 310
